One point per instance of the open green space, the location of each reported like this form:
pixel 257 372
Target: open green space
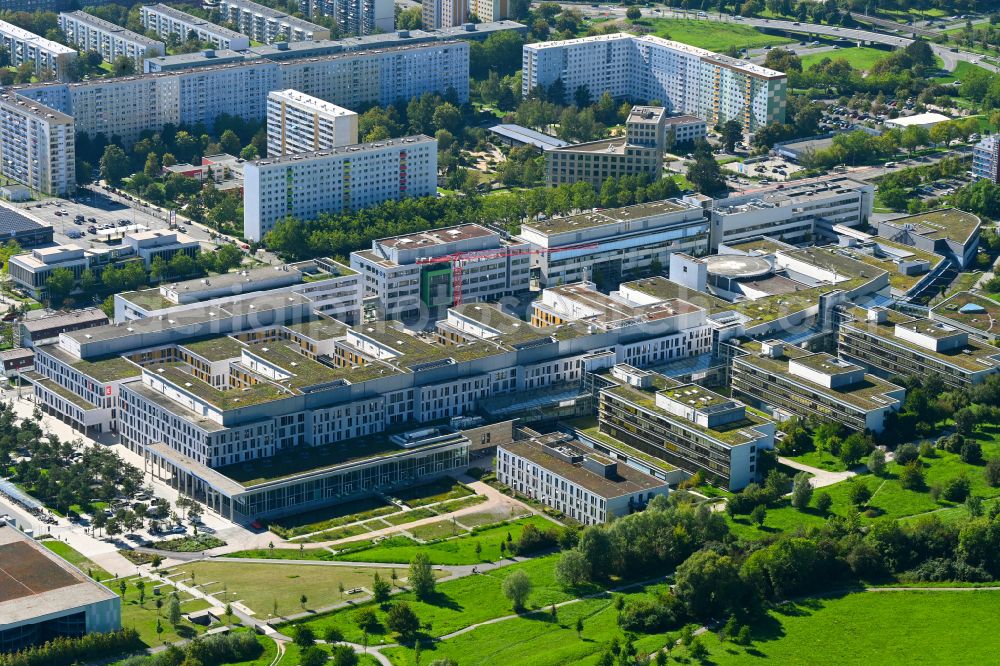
pixel 460 602
pixel 537 639
pixel 439 529
pixel 341 532
pixel 460 550
pixel 962 69
pixel 886 628
pixel 712 35
pixel 262 585
pixel 76 558
pixel 143 616
pixel 859 57
pixel 889 498
pixel 293 656
pixel 821 459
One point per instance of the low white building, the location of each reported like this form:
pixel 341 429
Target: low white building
pixel 148 245
pixel 569 477
pixel 925 120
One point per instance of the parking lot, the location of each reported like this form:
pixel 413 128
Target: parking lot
pixel 773 169
pixel 97 211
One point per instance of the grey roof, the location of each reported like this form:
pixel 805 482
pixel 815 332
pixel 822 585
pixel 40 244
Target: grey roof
pixel 13 222
pixel 191 19
pixel 93 315
pixel 108 26
pixel 529 136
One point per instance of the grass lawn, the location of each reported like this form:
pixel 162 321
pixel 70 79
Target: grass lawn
pixel 712 35
pixel 331 516
pixel 886 628
pixel 889 498
pixel 537 639
pixel 461 550
pixel 859 57
pixel 74 557
pixel 962 70
pixel 439 529
pixel 461 602
pixel 822 460
pixel 435 491
pixel 407 517
pixel 266 657
pixel 340 533
pixel 260 585
pixel 463 503
pixel 143 616
pixel 284 554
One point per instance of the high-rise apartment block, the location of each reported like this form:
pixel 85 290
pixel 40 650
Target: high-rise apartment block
pixel 267 25
pixel 684 78
pixel 128 106
pixel 37 146
pixel 354 18
pixel 90 33
pixel 444 13
pixel 300 123
pixel 986 159
pixel 27 47
pixel 166 21
pixel 331 181
pixel 489 10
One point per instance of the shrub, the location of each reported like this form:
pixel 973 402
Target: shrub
pixel 942 569
pixel 992 472
pixel 876 462
pixel 971 453
pixel 533 539
pixel 906 454
pixel 824 502
pixel 911 476
pixel 956 489
pixel 927 450
pixel 649 616
pixel 802 491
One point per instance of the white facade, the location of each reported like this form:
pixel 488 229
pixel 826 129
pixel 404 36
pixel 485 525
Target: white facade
pixel 684 78
pixel 166 21
pixel 268 25
pixel 624 240
pixel 128 106
pixel 43 54
pixel 579 489
pixel 793 214
pixel 341 179
pixel 91 33
pixel 404 288
pixel 37 146
pixel 300 123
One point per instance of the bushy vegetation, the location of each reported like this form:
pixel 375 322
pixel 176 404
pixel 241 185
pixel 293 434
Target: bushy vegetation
pixel 206 650
pixel 61 651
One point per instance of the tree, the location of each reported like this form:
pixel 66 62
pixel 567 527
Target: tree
pixel 992 472
pixel 343 655
pixel 381 589
pixel 906 453
pixel 698 649
pixel 802 491
pixel 230 143
pixel 732 131
pixel 303 636
pixel 402 620
pixel 709 584
pixel 312 656
pixel 366 621
pixel 141 586
pixel 572 568
pixel 971 452
pixel 579 627
pixel 859 493
pixel 758 514
pixel 965 421
pixel 302 601
pixel 152 168
pixel 59 284
pixel 633 13
pixel 911 476
pixel 174 610
pixel 114 165
pixel 421 576
pixel 824 502
pixel 914 136
pixel 956 489
pixel 705 173
pixel 517 587
pixel 123 66
pixel 854 448
pixel 876 462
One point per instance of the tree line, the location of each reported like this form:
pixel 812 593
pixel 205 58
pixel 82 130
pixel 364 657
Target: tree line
pixel 340 234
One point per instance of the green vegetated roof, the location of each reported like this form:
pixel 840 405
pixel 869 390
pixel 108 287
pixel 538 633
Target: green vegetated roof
pixel 59 390
pixel 233 398
pixel 987 321
pixel 320 329
pixel 109 369
pixel 972 356
pixel 216 349
pixel 950 223
pixel 148 299
pixel 861 394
